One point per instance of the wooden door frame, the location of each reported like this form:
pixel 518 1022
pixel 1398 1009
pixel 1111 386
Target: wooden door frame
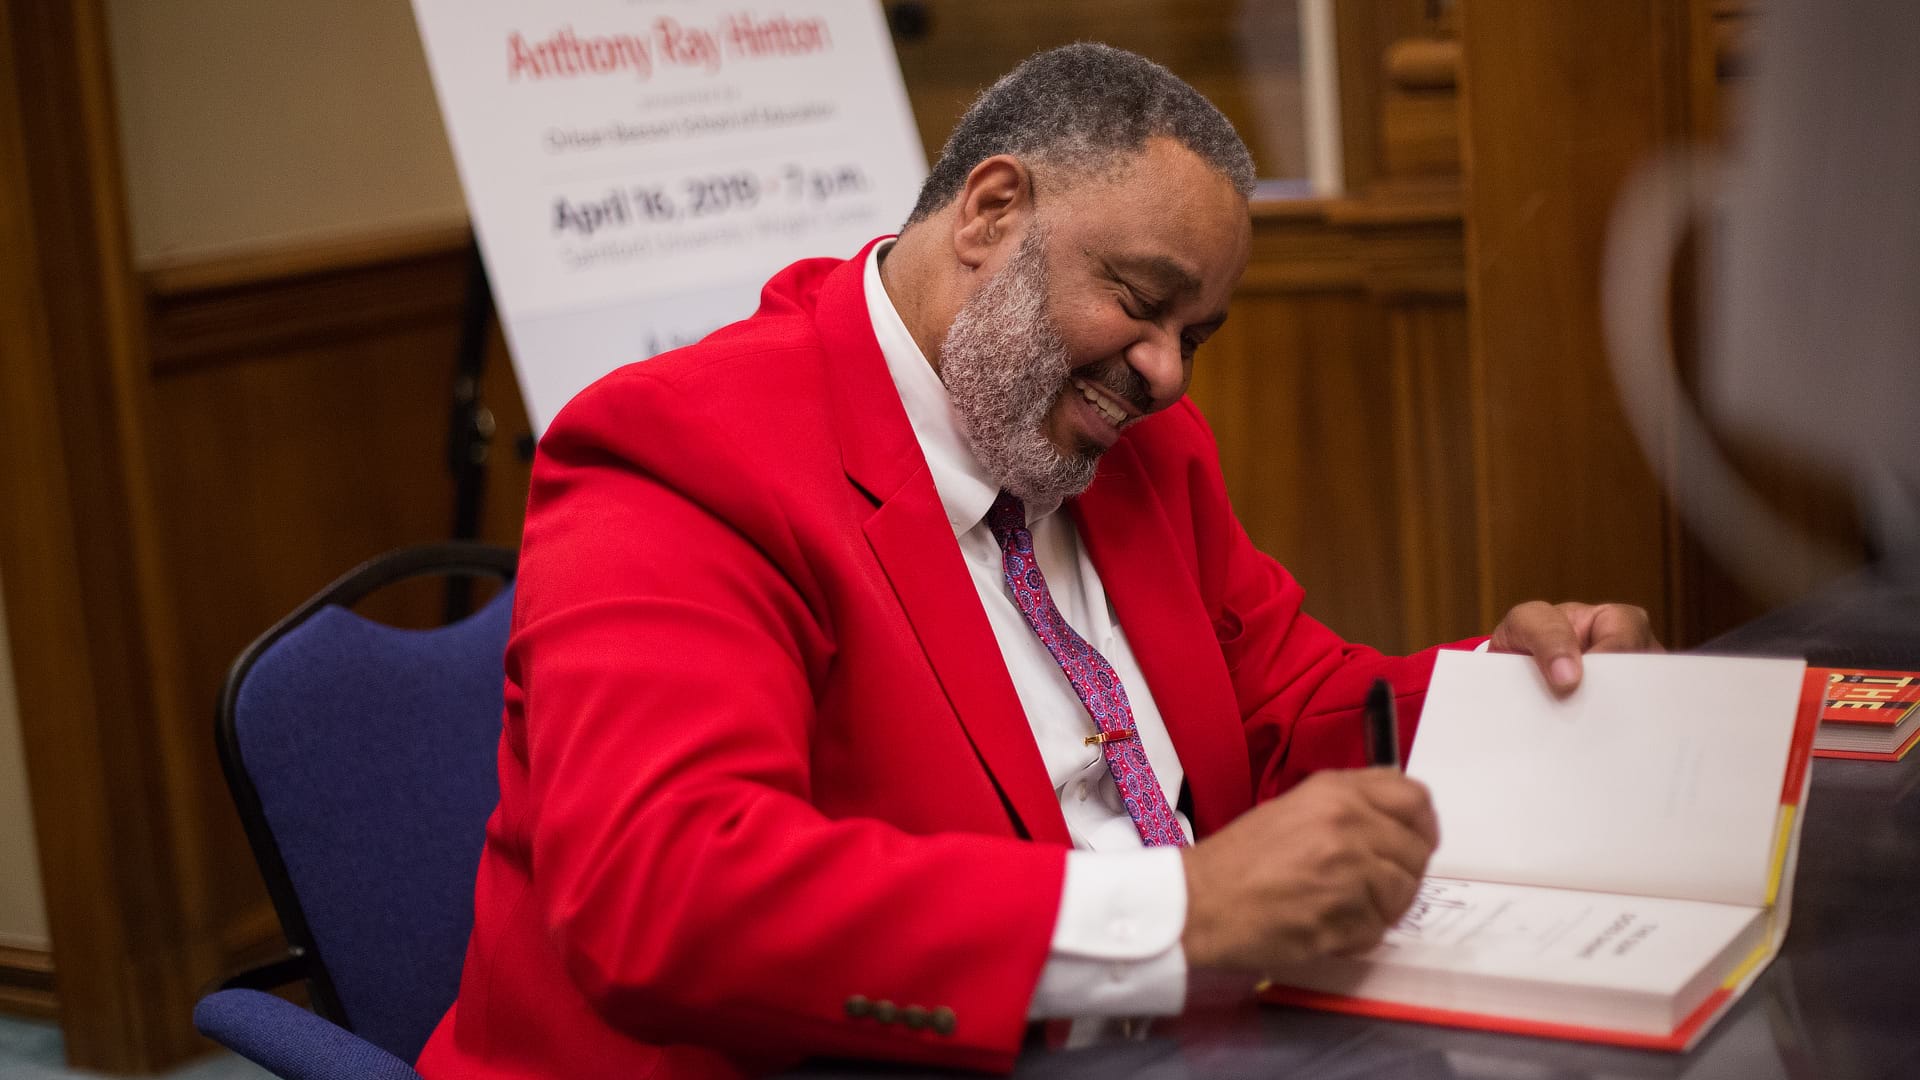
pixel 86 599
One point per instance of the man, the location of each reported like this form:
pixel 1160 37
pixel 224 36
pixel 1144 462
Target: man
pixel 889 670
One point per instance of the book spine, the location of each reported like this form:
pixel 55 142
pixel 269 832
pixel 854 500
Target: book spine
pixel 1806 722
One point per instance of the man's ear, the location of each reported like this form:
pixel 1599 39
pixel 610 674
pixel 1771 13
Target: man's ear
pixel 995 208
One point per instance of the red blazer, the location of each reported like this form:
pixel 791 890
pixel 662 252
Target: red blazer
pixel 762 761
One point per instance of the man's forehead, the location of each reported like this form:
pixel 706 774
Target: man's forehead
pixel 1168 222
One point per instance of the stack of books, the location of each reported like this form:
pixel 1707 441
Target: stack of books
pixel 1866 715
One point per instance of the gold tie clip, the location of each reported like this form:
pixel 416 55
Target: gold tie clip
pixel 1109 736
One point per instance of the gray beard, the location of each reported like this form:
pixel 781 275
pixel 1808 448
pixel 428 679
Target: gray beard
pixel 1005 366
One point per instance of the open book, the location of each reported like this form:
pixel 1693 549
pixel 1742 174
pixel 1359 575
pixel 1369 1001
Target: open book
pixel 1615 866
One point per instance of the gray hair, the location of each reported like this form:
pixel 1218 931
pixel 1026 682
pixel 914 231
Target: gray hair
pixel 1087 108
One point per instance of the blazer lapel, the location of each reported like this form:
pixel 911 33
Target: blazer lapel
pixel 1154 594
pixel 914 544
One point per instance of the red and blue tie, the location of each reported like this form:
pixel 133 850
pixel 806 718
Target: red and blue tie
pixel 1092 678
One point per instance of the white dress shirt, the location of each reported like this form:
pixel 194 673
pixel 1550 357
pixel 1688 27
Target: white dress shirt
pixel 1116 942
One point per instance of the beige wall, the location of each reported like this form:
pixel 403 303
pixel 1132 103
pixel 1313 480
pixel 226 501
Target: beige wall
pixel 23 912
pixel 253 123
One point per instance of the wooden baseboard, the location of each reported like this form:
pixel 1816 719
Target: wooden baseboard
pixel 26 983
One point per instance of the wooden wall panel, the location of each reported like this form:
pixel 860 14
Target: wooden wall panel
pixel 299 427
pixel 1338 393
pixel 1434 482
pixel 184 456
pixel 1558 104
pixel 1289 385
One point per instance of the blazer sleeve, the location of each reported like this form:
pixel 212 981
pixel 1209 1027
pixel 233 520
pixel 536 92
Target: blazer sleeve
pixel 1300 686
pixel 668 645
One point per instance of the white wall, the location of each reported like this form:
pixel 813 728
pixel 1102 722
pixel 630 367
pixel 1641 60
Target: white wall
pixel 255 123
pixel 23 912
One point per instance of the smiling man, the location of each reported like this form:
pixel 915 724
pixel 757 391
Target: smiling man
pixel 889 670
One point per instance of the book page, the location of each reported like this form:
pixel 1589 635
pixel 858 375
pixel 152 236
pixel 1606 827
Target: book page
pixel 1592 959
pixel 1661 775
pixel 1565 936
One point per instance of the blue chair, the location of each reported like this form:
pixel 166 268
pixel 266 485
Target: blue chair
pixel 362 760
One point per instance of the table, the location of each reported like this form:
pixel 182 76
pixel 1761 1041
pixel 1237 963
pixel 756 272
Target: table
pixel 1841 1002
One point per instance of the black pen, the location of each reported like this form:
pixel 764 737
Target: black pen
pixel 1383 732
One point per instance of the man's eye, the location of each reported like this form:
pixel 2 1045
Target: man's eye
pixel 1138 307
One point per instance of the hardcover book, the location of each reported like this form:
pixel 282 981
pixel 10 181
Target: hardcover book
pixel 1869 715
pixel 1614 866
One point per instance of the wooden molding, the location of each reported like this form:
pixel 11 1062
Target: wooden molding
pixel 1423 64
pixel 301 295
pixel 1420 109
pixel 85 594
pixel 1401 239
pixel 26 983
pixel 1364 33
pixel 300 257
pixel 1402 201
pixel 117 750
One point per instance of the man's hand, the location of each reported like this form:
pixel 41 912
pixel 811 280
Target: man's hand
pixel 1325 868
pixel 1556 634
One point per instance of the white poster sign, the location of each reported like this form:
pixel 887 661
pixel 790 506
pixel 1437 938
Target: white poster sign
pixel 635 169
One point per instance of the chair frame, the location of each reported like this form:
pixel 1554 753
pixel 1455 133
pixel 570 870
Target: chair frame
pixel 302 959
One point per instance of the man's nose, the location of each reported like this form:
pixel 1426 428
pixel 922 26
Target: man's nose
pixel 1157 359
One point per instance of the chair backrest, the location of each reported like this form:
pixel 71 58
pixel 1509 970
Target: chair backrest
pixel 362 758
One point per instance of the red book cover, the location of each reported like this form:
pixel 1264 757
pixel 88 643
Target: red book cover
pixel 1857 700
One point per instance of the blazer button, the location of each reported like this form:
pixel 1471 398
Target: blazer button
pixel 916 1017
pixel 858 1006
pixel 944 1020
pixel 884 1011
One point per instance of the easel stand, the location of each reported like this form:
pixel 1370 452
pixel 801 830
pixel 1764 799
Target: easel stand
pixel 470 425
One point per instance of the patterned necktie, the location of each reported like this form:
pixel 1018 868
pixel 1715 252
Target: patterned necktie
pixel 1092 678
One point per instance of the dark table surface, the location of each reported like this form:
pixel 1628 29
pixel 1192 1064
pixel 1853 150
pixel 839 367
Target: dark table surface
pixel 1841 1001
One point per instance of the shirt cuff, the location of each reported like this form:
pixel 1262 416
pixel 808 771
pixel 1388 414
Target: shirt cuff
pixel 1116 943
